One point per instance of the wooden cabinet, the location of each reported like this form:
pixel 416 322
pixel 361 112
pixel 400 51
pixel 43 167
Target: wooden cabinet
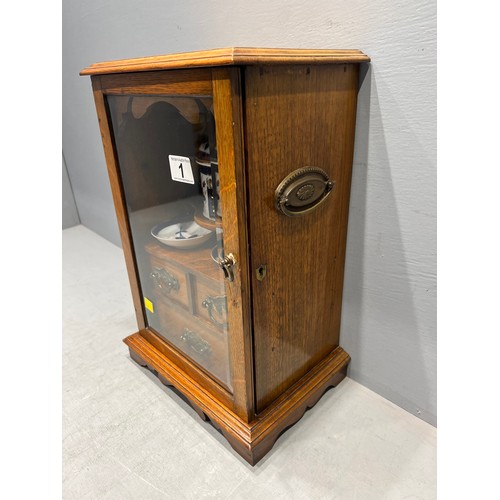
pixel 230 171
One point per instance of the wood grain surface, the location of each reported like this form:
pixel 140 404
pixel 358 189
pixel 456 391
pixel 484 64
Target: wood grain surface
pixel 182 82
pixel 227 56
pixel 297 116
pixel 229 130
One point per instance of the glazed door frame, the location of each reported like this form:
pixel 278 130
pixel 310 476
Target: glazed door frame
pixel 224 85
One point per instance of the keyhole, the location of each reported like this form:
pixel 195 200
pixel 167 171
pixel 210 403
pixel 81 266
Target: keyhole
pixel 261 272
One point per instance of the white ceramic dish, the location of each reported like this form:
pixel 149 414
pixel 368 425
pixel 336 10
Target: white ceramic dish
pixel 181 235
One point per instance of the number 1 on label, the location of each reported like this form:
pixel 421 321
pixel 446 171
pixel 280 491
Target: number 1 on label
pixel 181 168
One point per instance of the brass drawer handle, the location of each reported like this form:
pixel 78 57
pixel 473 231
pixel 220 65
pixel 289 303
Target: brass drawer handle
pixel 164 280
pixel 302 191
pixel 200 346
pixel 227 265
pixel 219 305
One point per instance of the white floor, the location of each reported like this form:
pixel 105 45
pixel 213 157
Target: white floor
pixel 126 436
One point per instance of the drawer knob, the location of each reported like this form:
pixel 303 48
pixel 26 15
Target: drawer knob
pixel 302 191
pixel 217 309
pixel 200 346
pixel 164 280
pixel 227 265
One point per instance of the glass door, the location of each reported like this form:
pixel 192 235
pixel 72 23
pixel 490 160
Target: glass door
pixel 167 154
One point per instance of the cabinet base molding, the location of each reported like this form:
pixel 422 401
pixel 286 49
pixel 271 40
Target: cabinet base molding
pixel 252 440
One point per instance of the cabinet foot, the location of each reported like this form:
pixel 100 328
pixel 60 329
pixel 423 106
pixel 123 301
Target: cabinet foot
pixel 135 357
pixel 251 440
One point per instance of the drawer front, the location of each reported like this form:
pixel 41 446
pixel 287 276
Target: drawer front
pixel 207 347
pixel 169 281
pixel 211 303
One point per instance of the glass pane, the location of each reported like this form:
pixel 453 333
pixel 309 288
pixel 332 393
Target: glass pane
pixel 168 161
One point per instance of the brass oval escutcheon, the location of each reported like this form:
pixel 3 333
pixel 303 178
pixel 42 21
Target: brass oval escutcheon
pixel 302 191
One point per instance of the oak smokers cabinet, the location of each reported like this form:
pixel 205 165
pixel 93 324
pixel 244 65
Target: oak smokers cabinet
pixel 230 171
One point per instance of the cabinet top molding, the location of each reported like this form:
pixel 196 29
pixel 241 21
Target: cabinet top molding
pixel 227 57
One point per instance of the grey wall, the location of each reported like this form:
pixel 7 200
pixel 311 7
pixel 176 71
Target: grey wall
pixel 70 216
pixel 389 315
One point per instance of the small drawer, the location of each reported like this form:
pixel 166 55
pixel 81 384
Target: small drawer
pixel 170 282
pixel 196 340
pixel 211 302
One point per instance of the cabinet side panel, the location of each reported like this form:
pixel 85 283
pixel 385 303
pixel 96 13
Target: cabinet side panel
pixel 297 116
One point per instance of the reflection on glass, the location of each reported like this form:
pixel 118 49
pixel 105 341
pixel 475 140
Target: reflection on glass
pixel 168 162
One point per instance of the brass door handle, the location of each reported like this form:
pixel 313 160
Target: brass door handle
pixel 302 191
pixel 227 265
